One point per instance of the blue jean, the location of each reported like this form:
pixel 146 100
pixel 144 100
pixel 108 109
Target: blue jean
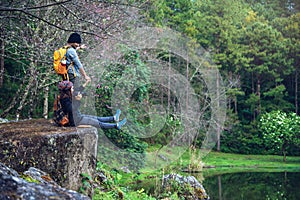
pixel 98 122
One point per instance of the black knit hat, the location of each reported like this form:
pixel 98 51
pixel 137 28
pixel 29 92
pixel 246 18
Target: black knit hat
pixel 74 38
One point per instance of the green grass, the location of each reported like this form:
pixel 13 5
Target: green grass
pixel 222 163
pixel 132 185
pixel 227 162
pixel 219 159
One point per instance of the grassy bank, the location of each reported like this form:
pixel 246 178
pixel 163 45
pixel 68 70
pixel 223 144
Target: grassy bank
pixel 224 161
pixel 137 186
pixel 219 159
pixel 232 163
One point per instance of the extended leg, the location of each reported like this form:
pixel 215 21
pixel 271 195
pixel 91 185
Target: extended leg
pixel 96 123
pixel 100 119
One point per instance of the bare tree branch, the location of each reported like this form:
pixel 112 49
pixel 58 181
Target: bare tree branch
pixel 8 9
pixel 25 11
pixel 58 27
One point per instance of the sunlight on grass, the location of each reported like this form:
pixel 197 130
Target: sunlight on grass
pixel 222 160
pixel 260 161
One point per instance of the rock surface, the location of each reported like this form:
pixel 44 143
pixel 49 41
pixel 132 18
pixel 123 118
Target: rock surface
pixel 12 186
pixel 198 192
pixel 62 152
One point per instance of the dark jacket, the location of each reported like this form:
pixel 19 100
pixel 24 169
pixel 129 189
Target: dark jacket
pixel 71 107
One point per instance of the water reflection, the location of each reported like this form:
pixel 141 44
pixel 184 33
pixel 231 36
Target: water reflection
pixel 254 186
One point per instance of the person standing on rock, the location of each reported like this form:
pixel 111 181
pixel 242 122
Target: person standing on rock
pixel 74 65
pixel 70 101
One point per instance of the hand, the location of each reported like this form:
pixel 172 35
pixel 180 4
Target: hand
pixel 78 97
pixel 83 46
pixel 87 78
pixel 86 82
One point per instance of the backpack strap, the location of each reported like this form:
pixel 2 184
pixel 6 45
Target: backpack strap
pixel 71 65
pixel 65 77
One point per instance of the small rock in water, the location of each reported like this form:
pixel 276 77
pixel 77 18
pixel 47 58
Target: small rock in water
pixel 3 120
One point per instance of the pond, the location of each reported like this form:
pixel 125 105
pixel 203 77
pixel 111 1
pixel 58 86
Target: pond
pixel 254 186
pixel 238 185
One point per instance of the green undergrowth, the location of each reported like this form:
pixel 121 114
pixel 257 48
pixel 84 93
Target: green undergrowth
pixel 120 185
pixel 114 187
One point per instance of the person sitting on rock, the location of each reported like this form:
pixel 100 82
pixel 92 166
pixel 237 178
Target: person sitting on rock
pixel 70 101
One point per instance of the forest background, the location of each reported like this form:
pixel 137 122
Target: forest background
pixel 254 44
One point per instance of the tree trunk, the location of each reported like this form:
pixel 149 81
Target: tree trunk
pixel 169 85
pixel 33 99
pixel 27 89
pixel 220 187
pixel 284 153
pixel 45 107
pixel 235 105
pixel 235 97
pixel 296 91
pixel 187 86
pixel 33 95
pixel 230 97
pixel 253 92
pixel 252 83
pixel 15 100
pixel 259 95
pixel 2 63
pixel 218 106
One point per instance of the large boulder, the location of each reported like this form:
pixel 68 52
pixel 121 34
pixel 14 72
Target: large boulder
pixel 189 184
pixel 12 186
pixel 63 152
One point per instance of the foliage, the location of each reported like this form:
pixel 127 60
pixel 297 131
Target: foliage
pixel 280 130
pixel 165 135
pixel 177 191
pixel 243 139
pixel 249 40
pixel 125 140
pixel 111 188
pixel 86 181
pixel 29 179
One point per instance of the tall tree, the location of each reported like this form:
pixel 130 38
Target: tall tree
pixel 269 65
pixel 289 27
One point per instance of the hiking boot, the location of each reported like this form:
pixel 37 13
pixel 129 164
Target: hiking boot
pixel 121 123
pixel 117 115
